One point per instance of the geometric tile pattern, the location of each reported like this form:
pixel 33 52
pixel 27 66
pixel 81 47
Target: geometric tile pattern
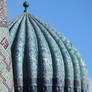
pixel 6 73
pixel 3 13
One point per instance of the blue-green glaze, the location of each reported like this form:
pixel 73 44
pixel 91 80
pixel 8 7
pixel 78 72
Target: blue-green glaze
pixel 43 59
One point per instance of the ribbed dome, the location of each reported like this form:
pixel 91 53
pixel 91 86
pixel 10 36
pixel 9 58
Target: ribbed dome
pixel 43 59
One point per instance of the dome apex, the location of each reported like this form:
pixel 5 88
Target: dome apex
pixel 26 5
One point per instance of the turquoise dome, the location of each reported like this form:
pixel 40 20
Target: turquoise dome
pixel 43 59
